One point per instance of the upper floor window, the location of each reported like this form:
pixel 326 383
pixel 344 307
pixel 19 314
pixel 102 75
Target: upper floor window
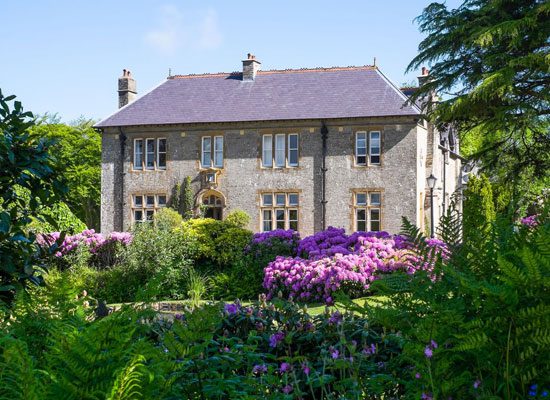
pixel 367 148
pixel 367 211
pixel 212 153
pixel 280 151
pixel 150 154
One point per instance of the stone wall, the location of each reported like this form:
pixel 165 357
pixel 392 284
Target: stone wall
pixel 243 178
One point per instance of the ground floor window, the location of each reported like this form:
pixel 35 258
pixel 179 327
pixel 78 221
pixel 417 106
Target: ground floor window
pixel 279 210
pixel 144 206
pixel 367 210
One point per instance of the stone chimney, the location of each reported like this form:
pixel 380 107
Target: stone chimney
pixel 422 80
pixel 126 88
pixel 250 68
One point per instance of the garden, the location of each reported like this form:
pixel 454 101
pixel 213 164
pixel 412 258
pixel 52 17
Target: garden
pixel 460 313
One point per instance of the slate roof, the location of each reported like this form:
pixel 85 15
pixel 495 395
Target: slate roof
pixel 320 93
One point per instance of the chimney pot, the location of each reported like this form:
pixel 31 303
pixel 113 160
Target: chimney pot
pixel 424 71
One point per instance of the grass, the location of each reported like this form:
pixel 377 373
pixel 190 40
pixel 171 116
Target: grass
pixel 312 308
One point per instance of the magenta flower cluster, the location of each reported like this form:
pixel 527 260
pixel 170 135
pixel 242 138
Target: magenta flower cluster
pixel 330 261
pixel 88 238
pixel 531 221
pixel 333 241
pixel 317 279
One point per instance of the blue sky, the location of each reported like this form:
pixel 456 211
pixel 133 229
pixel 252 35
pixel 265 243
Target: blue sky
pixel 65 56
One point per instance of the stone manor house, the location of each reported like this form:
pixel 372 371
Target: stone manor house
pixel 296 149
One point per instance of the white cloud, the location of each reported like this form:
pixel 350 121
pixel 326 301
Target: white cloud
pixel 176 31
pixel 210 36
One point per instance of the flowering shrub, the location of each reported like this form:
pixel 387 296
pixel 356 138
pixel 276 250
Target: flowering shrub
pixel 331 261
pixel 319 278
pixel 104 250
pixel 531 221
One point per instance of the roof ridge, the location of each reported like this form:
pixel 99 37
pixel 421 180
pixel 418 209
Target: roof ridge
pixel 276 71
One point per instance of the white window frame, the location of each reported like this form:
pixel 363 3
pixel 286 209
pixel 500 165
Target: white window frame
pixel 267 151
pixel 267 220
pixel 280 159
pixel 204 152
pixel 290 221
pixel 357 147
pixel 291 149
pixel 372 153
pixel 138 166
pixel 162 152
pixel 147 153
pixel 218 151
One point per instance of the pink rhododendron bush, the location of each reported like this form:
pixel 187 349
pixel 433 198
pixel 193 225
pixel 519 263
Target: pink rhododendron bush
pixel 332 261
pixel 103 249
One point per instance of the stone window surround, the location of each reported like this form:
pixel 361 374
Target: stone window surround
pixel 354 207
pixel 273 135
pixel 144 153
pixel 273 208
pixel 368 131
pixel 144 207
pixel 213 136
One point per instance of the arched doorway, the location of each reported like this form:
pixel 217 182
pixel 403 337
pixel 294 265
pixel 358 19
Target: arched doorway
pixel 213 203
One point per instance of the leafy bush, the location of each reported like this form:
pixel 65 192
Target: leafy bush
pixel 26 163
pixel 238 218
pixel 54 348
pixel 167 219
pixel 230 246
pixel 481 329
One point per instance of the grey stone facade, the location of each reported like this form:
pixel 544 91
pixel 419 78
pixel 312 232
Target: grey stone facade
pixel 400 177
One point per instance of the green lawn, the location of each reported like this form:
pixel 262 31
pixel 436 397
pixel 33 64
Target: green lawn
pixel 312 308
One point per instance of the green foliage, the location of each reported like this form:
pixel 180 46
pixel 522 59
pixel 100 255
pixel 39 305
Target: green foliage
pixel 167 219
pixel 491 59
pixel 239 218
pixel 187 202
pixel 64 218
pixel 154 254
pixel 198 285
pixel 479 209
pixel 175 199
pixel 27 164
pixel 78 150
pixel 487 307
pixel 54 347
pixel 230 245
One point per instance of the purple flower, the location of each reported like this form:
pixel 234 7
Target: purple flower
pixel 305 368
pixel 434 344
pixel 259 368
pixel 426 396
pixel 428 352
pixel 477 383
pixel 417 375
pixel 284 367
pixel 335 353
pixel 232 308
pixel 275 339
pixel 287 389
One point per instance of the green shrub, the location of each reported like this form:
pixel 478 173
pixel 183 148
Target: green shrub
pixel 167 219
pixel 154 253
pixel 187 201
pixel 54 347
pixel 230 246
pixel 238 218
pixel 477 325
